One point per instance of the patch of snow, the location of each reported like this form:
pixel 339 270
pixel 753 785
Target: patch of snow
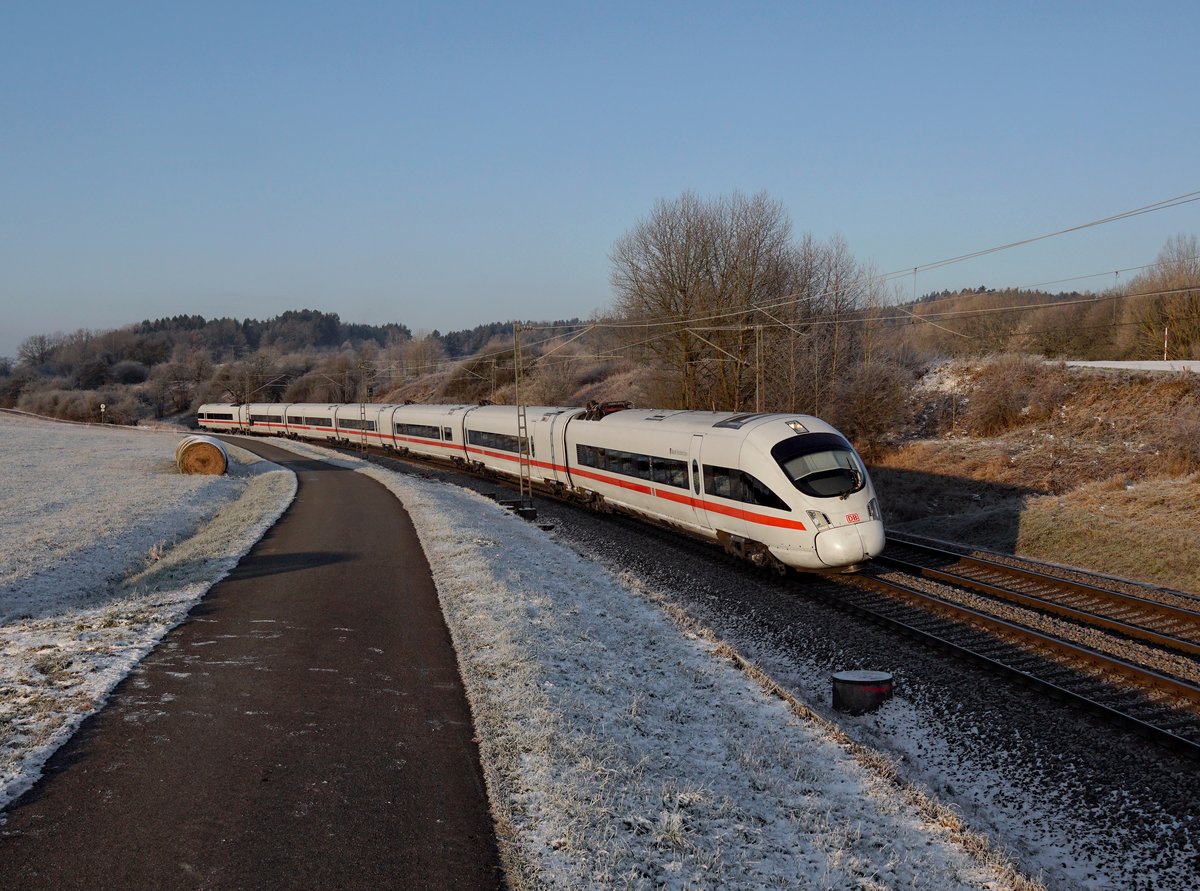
pixel 947 377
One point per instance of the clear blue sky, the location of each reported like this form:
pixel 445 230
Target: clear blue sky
pixel 446 164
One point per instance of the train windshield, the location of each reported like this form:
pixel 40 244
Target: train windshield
pixel 820 465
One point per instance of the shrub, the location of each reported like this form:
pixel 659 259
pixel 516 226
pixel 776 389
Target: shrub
pixel 1013 390
pixel 872 404
pixel 1181 441
pixel 1050 389
pixel 128 372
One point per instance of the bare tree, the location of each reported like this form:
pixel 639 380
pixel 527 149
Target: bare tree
pixel 719 296
pixel 420 355
pixel 251 380
pixel 661 273
pixel 1166 301
pixel 688 279
pixel 38 350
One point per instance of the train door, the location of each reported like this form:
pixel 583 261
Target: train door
pixel 558 446
pixel 387 428
pixel 695 472
pixel 464 432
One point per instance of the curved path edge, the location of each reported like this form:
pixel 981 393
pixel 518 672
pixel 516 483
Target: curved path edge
pixel 306 726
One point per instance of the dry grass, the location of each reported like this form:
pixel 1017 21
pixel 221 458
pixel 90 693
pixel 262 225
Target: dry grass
pixel 1088 468
pixel 1145 530
pixel 1181 440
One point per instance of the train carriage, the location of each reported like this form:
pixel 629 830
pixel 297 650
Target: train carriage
pixel 313 421
pixel 435 430
pixel 778 489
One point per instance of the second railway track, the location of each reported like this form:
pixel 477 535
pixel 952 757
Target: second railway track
pixel 1129 655
pixel 1168 619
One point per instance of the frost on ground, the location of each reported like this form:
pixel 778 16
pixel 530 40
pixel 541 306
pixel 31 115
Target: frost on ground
pixel 99 557
pixel 622 751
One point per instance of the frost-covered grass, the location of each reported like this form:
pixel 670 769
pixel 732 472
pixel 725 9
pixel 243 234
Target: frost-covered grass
pixel 624 750
pixel 622 747
pixel 104 546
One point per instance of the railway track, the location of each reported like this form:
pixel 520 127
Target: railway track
pixel 1168 619
pixel 1128 653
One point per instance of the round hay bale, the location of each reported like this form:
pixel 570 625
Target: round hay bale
pixel 201 454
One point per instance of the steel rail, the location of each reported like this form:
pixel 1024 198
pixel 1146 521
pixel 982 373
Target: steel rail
pixel 1160 735
pixel 1191 615
pixel 1164 682
pixel 1086 616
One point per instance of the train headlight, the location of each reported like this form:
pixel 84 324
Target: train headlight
pixel 873 510
pixel 820 520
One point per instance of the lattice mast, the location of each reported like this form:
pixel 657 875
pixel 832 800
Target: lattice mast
pixel 524 457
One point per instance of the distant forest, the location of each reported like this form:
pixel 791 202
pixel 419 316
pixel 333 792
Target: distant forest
pixel 162 367
pixel 716 305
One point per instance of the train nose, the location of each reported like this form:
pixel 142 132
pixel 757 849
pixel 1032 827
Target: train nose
pixel 850 544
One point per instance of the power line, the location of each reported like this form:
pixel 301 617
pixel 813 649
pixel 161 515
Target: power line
pixel 858 282
pixel 1166 203
pixel 684 319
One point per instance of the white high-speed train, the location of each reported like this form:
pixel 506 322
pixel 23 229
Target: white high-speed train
pixel 778 489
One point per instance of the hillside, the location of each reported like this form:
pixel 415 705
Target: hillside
pixel 1087 467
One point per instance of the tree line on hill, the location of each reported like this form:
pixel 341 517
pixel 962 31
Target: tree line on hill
pixel 166 366
pixel 717 305
pixel 1152 315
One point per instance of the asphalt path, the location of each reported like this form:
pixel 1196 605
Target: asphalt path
pixel 305 728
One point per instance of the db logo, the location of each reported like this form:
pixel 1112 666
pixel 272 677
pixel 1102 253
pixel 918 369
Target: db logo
pixel 853 518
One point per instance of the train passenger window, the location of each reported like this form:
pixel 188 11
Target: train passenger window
pixel 676 472
pixel 426 430
pixel 664 471
pixel 755 492
pixel 293 420
pixel 722 482
pixel 318 422
pixel 448 434
pixel 737 485
pixel 501 441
